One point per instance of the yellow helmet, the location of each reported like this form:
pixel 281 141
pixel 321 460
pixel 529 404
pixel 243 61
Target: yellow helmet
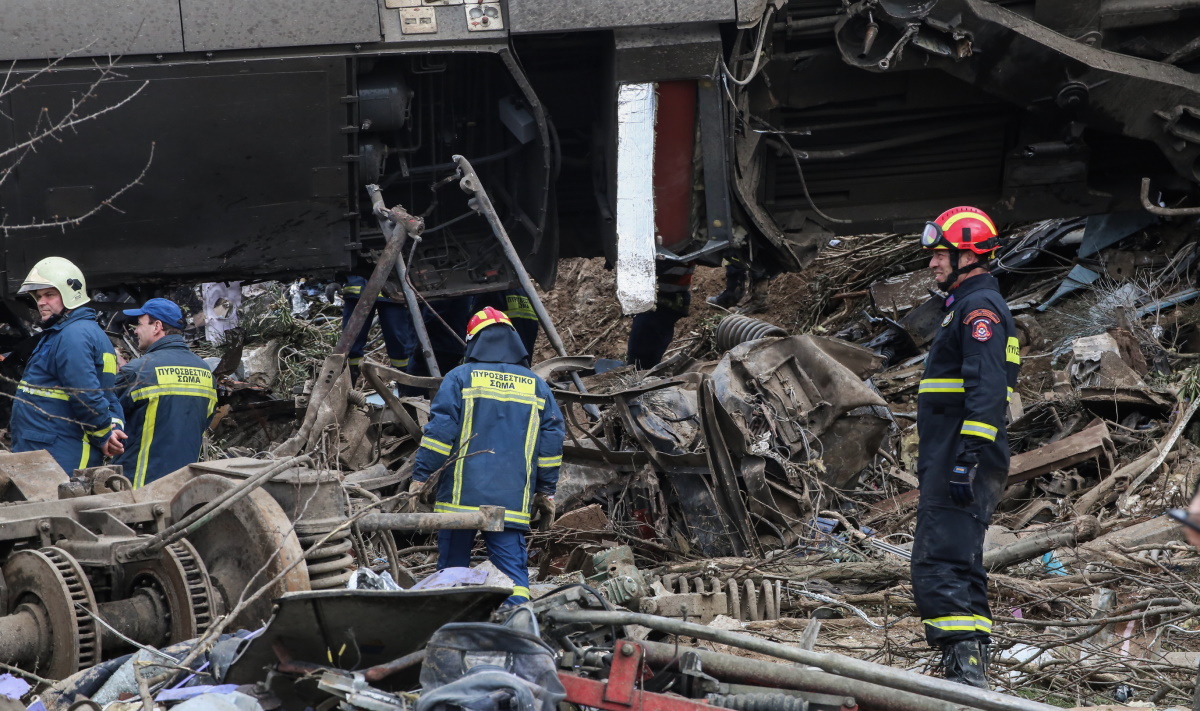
pixel 61 274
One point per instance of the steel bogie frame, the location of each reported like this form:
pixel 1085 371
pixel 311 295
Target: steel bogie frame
pixel 73 594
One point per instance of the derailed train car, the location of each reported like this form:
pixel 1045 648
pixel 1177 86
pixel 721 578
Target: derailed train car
pixel 237 137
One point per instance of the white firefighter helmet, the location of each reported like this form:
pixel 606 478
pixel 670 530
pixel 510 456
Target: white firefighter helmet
pixel 61 274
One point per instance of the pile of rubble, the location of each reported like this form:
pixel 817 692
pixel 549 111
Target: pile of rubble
pixel 754 489
pixel 797 456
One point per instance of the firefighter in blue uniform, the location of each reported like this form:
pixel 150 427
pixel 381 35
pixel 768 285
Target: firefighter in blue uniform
pixel 651 332
pixel 962 466
pixel 516 305
pixel 168 396
pixel 65 402
pixel 503 431
pixel 399 336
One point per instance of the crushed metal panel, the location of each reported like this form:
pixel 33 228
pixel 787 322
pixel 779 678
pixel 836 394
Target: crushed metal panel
pixel 37 29
pixel 724 470
pixel 571 15
pixel 378 626
pixel 237 24
pixel 810 395
pixel 850 443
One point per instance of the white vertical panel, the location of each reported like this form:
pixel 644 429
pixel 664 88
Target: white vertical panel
pixel 636 104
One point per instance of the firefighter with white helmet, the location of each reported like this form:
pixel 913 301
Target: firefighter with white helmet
pixel 962 465
pixel 65 403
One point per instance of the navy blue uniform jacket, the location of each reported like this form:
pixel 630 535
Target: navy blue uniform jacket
pixel 168 396
pixel 65 402
pixel 493 402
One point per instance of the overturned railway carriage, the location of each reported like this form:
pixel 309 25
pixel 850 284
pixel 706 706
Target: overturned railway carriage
pixel 237 137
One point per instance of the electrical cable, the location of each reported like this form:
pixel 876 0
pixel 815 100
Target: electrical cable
pixel 763 27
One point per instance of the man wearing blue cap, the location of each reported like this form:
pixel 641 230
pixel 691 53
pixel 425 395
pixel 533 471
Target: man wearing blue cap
pixel 168 396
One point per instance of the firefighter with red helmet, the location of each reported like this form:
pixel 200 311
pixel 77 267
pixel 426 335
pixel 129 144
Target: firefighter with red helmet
pixel 962 466
pixel 499 425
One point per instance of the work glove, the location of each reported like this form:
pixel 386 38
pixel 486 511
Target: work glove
pixel 545 504
pixel 414 486
pixel 962 477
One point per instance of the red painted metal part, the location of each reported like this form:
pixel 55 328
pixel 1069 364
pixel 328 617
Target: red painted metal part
pixel 674 148
pixel 620 692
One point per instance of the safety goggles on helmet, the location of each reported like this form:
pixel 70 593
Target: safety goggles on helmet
pixel 962 228
pixel 932 237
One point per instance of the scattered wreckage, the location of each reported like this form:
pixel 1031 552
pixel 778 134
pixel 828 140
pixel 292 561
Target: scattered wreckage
pixel 702 498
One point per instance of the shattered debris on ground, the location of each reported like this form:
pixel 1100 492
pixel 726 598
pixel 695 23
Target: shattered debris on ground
pixel 761 481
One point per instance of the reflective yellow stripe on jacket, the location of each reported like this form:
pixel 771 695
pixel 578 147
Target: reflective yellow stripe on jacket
pixel 941 385
pixel 500 387
pixel 54 393
pixel 979 429
pixel 172 380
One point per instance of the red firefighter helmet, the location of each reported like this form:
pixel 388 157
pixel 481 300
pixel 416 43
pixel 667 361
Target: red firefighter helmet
pixel 961 228
pixel 485 318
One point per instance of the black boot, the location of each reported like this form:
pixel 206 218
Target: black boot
pixel 734 291
pixel 966 663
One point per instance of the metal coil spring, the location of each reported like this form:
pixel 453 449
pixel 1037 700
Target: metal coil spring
pixel 329 565
pixel 758 702
pixel 747 600
pixel 738 329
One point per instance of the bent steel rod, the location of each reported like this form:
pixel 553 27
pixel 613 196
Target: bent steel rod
pixel 740 670
pixel 481 203
pixel 396 225
pixel 201 516
pixel 833 663
pixel 335 364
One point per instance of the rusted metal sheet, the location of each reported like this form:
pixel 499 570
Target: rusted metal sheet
pixel 367 621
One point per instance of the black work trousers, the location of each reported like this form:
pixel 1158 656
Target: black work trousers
pixel 651 332
pixel 948 578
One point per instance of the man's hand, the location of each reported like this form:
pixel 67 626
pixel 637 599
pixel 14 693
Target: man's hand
pixel 1193 537
pixel 414 495
pixel 962 476
pixel 114 445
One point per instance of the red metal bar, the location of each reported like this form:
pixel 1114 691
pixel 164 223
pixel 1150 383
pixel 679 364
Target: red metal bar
pixel 620 692
pixel 674 148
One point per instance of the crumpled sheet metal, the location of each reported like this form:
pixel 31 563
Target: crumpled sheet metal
pixel 801 391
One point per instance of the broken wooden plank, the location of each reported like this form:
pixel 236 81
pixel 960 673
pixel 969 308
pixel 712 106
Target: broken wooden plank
pixel 1090 443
